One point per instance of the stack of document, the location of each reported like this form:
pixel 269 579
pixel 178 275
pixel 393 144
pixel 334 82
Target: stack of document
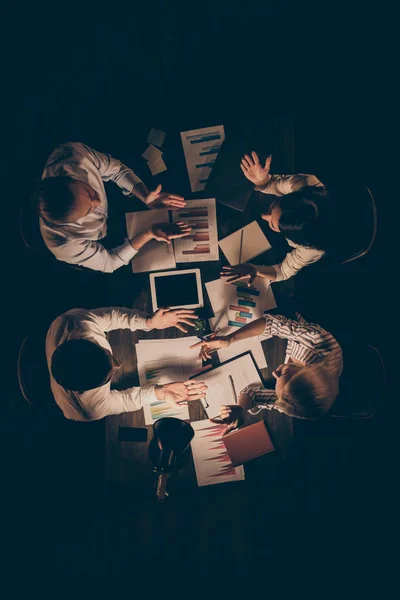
pixel 235 306
pixel 165 361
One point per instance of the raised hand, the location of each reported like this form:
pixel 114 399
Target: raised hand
pixel 244 272
pixel 159 199
pixel 254 171
pixel 165 232
pixel 181 391
pixel 206 348
pixel 167 317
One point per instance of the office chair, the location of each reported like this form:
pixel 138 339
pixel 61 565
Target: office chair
pixel 33 377
pixel 356 223
pixel 362 383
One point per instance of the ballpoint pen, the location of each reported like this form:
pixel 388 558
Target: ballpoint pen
pixel 206 338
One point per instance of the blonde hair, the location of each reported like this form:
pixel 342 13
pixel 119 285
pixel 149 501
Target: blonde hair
pixel 309 393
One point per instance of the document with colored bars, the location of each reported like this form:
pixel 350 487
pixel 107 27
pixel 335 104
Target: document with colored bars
pixel 234 305
pixel 202 243
pixel 201 148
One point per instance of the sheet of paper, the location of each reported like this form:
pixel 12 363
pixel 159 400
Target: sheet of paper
pixel 158 167
pixel 202 243
pixel 156 350
pixel 154 256
pixel 201 148
pixel 152 154
pixel 211 460
pixel 254 242
pixel 160 372
pixel 252 344
pixel 156 137
pixel 227 381
pixel 236 305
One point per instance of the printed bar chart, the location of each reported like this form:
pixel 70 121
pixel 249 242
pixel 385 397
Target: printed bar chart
pixel 202 243
pixel 201 148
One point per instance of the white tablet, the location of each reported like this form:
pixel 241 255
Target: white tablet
pixel 176 289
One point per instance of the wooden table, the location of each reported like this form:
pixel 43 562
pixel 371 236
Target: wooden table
pixel 194 517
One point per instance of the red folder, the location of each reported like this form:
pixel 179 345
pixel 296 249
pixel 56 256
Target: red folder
pixel 247 443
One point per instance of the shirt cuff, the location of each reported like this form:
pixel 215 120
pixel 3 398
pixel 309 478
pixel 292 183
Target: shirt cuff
pixel 126 252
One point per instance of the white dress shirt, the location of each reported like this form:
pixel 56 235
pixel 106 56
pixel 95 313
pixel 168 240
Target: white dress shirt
pixel 92 325
pixel 301 256
pixel 307 342
pixel 76 243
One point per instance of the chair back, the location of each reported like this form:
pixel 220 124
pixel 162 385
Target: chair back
pixel 356 222
pixel 33 376
pixel 362 383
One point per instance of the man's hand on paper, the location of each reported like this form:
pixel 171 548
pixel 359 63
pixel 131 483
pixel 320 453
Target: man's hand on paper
pixel 245 272
pixel 159 199
pixel 206 348
pixel 232 415
pixel 167 317
pixel 165 232
pixel 181 391
pixel 254 171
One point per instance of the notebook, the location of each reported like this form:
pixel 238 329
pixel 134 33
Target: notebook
pixel 254 243
pixel 248 443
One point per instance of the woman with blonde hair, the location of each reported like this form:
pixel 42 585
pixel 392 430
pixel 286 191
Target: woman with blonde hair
pixel 307 383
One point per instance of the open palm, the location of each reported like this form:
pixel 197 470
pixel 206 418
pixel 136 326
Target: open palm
pixel 253 169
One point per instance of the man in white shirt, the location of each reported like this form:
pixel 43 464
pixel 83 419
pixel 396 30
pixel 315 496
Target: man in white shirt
pixel 81 363
pixel 301 216
pixel 73 208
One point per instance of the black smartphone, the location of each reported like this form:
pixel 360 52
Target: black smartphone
pixel 132 434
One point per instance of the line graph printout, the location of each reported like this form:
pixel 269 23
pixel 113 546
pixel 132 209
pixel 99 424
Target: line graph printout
pixel 211 460
pixel 202 243
pixel 201 148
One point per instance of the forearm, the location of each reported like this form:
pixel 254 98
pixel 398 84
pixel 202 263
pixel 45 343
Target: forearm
pixel 266 272
pixel 250 330
pixel 140 191
pixel 139 240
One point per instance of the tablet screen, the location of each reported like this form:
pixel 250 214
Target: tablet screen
pixel 176 290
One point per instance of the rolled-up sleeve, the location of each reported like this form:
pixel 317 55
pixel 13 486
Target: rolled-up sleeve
pixel 111 169
pixel 92 255
pixel 294 261
pixel 280 185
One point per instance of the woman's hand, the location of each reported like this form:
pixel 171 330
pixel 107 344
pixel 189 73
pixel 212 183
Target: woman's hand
pixel 165 232
pixel 159 199
pixel 244 272
pixel 167 317
pixel 181 391
pixel 232 415
pixel 254 171
pixel 206 348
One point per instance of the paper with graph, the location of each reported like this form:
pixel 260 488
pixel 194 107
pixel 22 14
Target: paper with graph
pixel 202 243
pixel 211 460
pixel 201 148
pixel 165 361
pixel 234 305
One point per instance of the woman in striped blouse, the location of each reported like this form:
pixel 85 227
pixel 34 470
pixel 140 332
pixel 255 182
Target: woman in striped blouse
pixel 308 381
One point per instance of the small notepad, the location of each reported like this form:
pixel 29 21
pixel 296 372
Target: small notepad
pixel 254 243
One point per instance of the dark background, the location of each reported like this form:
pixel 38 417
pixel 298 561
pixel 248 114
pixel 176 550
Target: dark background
pixel 105 77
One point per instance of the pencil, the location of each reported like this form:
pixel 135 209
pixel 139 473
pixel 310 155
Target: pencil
pixel 241 244
pixel 233 388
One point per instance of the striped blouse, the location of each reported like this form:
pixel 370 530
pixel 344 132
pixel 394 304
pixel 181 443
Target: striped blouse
pixel 307 342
